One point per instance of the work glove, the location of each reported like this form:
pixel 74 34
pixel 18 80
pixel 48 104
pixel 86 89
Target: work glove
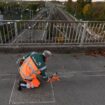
pixel 45 79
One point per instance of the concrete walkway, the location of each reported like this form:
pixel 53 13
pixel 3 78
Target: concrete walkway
pixel 82 81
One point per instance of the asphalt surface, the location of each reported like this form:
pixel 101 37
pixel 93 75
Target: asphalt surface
pixel 29 36
pixel 82 81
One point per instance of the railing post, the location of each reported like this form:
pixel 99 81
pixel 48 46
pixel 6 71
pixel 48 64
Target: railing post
pixel 1 40
pixel 45 31
pixel 83 34
pixel 15 26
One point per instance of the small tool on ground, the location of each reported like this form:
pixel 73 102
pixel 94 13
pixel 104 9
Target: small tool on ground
pixel 54 77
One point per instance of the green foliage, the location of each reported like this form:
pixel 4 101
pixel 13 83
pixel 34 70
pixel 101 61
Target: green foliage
pixel 32 6
pixel 70 5
pixel 88 1
pixel 87 10
pixel 80 4
pixel 14 10
pixel 98 11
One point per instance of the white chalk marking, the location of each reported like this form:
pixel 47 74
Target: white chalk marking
pixel 53 92
pixel 32 102
pixel 7 74
pixel 6 79
pixel 95 75
pixel 96 71
pixel 69 74
pixel 12 91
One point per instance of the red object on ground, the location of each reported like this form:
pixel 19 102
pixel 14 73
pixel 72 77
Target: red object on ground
pixel 54 78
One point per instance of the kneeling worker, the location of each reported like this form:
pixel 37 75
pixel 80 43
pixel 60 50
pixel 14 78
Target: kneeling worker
pixel 32 66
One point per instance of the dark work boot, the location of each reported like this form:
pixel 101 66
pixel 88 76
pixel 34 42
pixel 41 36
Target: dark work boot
pixel 19 87
pixel 22 85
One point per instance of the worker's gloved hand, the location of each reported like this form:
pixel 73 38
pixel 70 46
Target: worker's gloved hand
pixel 45 79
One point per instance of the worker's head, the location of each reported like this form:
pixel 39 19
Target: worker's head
pixel 47 53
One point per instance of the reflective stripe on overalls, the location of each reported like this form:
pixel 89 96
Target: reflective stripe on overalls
pixel 28 68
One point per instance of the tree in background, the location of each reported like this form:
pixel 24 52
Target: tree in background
pixel 1 7
pixel 18 10
pixel 88 1
pixel 80 6
pixel 98 11
pixel 69 5
pixel 87 10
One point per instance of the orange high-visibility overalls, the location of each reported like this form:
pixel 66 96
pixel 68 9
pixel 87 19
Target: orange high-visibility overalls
pixel 29 72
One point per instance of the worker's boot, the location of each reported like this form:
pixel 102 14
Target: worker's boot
pixel 21 85
pixel 19 88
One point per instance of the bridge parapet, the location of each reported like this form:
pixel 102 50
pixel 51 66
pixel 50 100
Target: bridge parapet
pixel 46 32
